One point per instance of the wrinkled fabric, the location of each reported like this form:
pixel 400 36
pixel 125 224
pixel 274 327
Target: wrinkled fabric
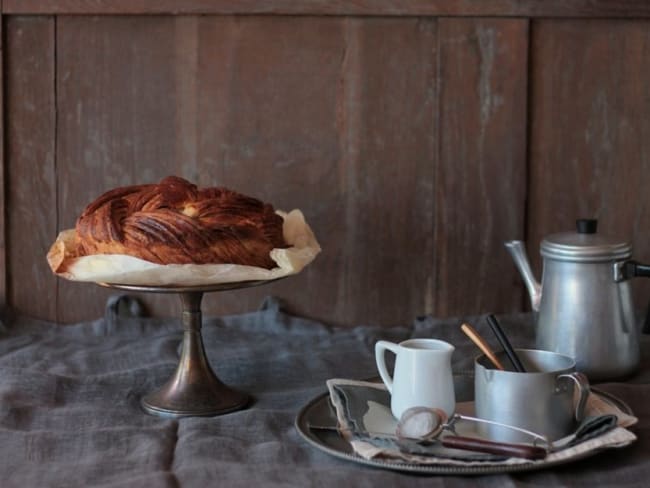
pixel 70 413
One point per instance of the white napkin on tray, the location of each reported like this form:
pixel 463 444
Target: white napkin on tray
pixel 378 419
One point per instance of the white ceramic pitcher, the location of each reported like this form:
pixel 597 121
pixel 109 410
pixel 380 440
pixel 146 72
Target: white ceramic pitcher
pixel 422 375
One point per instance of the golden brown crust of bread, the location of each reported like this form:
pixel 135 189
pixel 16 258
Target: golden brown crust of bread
pixel 175 222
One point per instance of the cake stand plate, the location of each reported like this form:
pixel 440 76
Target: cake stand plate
pixel 194 390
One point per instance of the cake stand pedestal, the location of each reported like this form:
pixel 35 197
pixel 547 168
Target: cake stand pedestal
pixel 194 389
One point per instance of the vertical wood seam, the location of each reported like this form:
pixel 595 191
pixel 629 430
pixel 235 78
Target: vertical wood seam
pixel 435 278
pixel 55 142
pixel 527 143
pixel 3 180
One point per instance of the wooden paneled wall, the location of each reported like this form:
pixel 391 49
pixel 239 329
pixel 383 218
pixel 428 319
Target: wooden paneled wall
pixel 415 136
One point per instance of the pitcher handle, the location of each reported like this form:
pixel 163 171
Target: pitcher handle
pixel 582 383
pixel 380 359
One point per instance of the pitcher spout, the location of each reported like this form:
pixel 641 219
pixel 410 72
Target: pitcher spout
pixel 518 253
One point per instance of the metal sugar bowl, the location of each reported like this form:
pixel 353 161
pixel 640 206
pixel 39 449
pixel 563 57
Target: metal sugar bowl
pixel 584 303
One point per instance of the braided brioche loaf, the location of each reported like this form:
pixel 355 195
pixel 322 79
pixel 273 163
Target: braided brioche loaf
pixel 175 222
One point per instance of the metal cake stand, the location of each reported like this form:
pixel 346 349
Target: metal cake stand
pixel 194 389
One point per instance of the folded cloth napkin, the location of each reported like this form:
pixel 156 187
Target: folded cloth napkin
pixel 366 422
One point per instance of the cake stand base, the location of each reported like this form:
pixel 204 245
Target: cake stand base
pixel 194 390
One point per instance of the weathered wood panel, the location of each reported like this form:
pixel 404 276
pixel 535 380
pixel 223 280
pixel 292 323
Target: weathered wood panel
pixel 590 132
pixel 481 179
pixel 487 8
pixel 30 147
pixel 120 111
pixel 382 215
pixel 403 139
pixel 283 110
pixel 266 126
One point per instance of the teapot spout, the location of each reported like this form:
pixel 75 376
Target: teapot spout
pixel 518 253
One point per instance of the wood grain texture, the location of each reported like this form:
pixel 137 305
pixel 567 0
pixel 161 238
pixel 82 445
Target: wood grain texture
pixel 488 8
pixel 120 121
pixel 266 126
pixel 302 117
pixel 280 109
pixel 590 133
pixel 403 140
pixel 3 193
pixel 481 178
pixel 380 242
pixel 211 99
pixel 30 148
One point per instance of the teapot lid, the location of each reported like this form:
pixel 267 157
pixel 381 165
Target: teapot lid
pixel 584 245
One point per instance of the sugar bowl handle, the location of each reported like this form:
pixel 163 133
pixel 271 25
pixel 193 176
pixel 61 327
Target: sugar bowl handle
pixel 582 383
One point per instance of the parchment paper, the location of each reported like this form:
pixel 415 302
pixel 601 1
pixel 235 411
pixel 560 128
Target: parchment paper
pixel 128 270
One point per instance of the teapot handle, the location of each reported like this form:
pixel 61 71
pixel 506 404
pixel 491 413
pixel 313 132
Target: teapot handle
pixel 624 270
pixel 639 269
pixel 631 269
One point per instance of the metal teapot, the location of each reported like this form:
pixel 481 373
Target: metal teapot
pixel 584 301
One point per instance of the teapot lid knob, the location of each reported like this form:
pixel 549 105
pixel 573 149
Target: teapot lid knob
pixel 587 226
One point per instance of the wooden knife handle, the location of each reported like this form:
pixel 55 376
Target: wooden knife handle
pixel 491 447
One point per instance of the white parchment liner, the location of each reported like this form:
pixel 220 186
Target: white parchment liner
pixel 128 270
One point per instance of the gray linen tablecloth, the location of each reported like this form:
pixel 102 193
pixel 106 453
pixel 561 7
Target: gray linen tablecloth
pixel 70 414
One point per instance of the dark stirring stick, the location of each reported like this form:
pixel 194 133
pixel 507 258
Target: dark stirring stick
pixel 505 343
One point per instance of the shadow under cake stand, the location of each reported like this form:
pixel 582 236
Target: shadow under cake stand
pixel 194 389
